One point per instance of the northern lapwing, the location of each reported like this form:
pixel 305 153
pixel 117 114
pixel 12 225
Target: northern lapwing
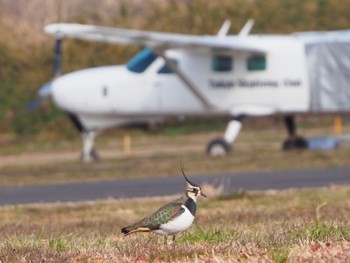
pixel 172 218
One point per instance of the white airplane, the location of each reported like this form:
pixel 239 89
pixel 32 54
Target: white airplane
pixel 218 75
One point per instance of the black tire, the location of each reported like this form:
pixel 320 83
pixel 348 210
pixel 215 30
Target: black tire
pixel 218 147
pixel 295 143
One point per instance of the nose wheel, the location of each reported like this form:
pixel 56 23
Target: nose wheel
pixel 89 152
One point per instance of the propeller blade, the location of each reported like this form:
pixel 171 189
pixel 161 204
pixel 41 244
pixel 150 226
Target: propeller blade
pixel 44 93
pixel 57 56
pixel 35 104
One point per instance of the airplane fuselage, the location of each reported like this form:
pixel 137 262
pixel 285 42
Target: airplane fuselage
pixel 181 75
pixel 233 83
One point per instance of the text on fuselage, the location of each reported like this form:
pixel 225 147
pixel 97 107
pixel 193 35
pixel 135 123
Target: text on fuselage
pixel 252 83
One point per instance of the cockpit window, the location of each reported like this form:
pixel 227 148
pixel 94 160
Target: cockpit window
pixel 140 62
pixel 165 69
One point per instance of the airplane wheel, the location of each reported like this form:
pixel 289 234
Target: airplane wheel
pixel 218 147
pixel 295 143
pixel 93 156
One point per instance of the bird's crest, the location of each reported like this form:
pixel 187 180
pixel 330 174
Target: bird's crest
pixel 183 173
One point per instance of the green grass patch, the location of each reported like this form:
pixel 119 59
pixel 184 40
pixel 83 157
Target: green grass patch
pixel 214 235
pixel 322 232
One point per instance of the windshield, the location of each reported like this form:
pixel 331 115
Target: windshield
pixel 140 62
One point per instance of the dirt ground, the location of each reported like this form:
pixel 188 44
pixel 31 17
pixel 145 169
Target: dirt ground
pixel 111 149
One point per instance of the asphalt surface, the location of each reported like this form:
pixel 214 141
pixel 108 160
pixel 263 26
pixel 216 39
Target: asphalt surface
pixel 173 185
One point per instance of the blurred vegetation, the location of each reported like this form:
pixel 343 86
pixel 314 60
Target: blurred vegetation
pixel 26 56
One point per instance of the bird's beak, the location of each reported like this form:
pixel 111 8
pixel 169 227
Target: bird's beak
pixel 203 194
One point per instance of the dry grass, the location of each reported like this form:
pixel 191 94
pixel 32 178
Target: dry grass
pixel 269 226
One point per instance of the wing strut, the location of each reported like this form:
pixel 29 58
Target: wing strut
pixel 193 88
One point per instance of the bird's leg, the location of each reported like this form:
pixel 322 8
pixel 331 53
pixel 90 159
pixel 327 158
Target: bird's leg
pixel 165 240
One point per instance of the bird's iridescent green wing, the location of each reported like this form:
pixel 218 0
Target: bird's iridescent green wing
pixel 164 214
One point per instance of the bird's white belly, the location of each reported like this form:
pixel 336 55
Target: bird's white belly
pixel 177 225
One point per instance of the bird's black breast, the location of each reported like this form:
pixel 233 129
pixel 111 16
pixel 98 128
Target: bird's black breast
pixel 191 206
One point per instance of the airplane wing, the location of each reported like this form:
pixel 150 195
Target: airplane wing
pixel 313 37
pixel 153 40
pixel 159 42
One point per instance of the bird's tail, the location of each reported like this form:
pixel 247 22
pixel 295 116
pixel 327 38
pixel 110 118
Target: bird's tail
pixel 137 227
pixel 125 230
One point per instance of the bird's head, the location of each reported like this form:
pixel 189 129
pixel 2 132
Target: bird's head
pixel 192 190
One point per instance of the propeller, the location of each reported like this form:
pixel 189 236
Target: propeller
pixel 58 56
pixel 45 91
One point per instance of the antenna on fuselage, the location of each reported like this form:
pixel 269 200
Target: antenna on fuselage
pixel 224 29
pixel 246 28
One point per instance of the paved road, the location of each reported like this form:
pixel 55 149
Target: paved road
pixel 172 185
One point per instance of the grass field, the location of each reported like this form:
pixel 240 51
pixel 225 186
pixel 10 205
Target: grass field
pixel 285 226
pixel 273 226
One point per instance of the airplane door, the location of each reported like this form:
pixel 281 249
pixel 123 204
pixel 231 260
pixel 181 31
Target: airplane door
pixel 175 97
pixel 152 101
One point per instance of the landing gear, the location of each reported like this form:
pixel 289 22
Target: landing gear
pixel 89 152
pixel 294 141
pixel 222 146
